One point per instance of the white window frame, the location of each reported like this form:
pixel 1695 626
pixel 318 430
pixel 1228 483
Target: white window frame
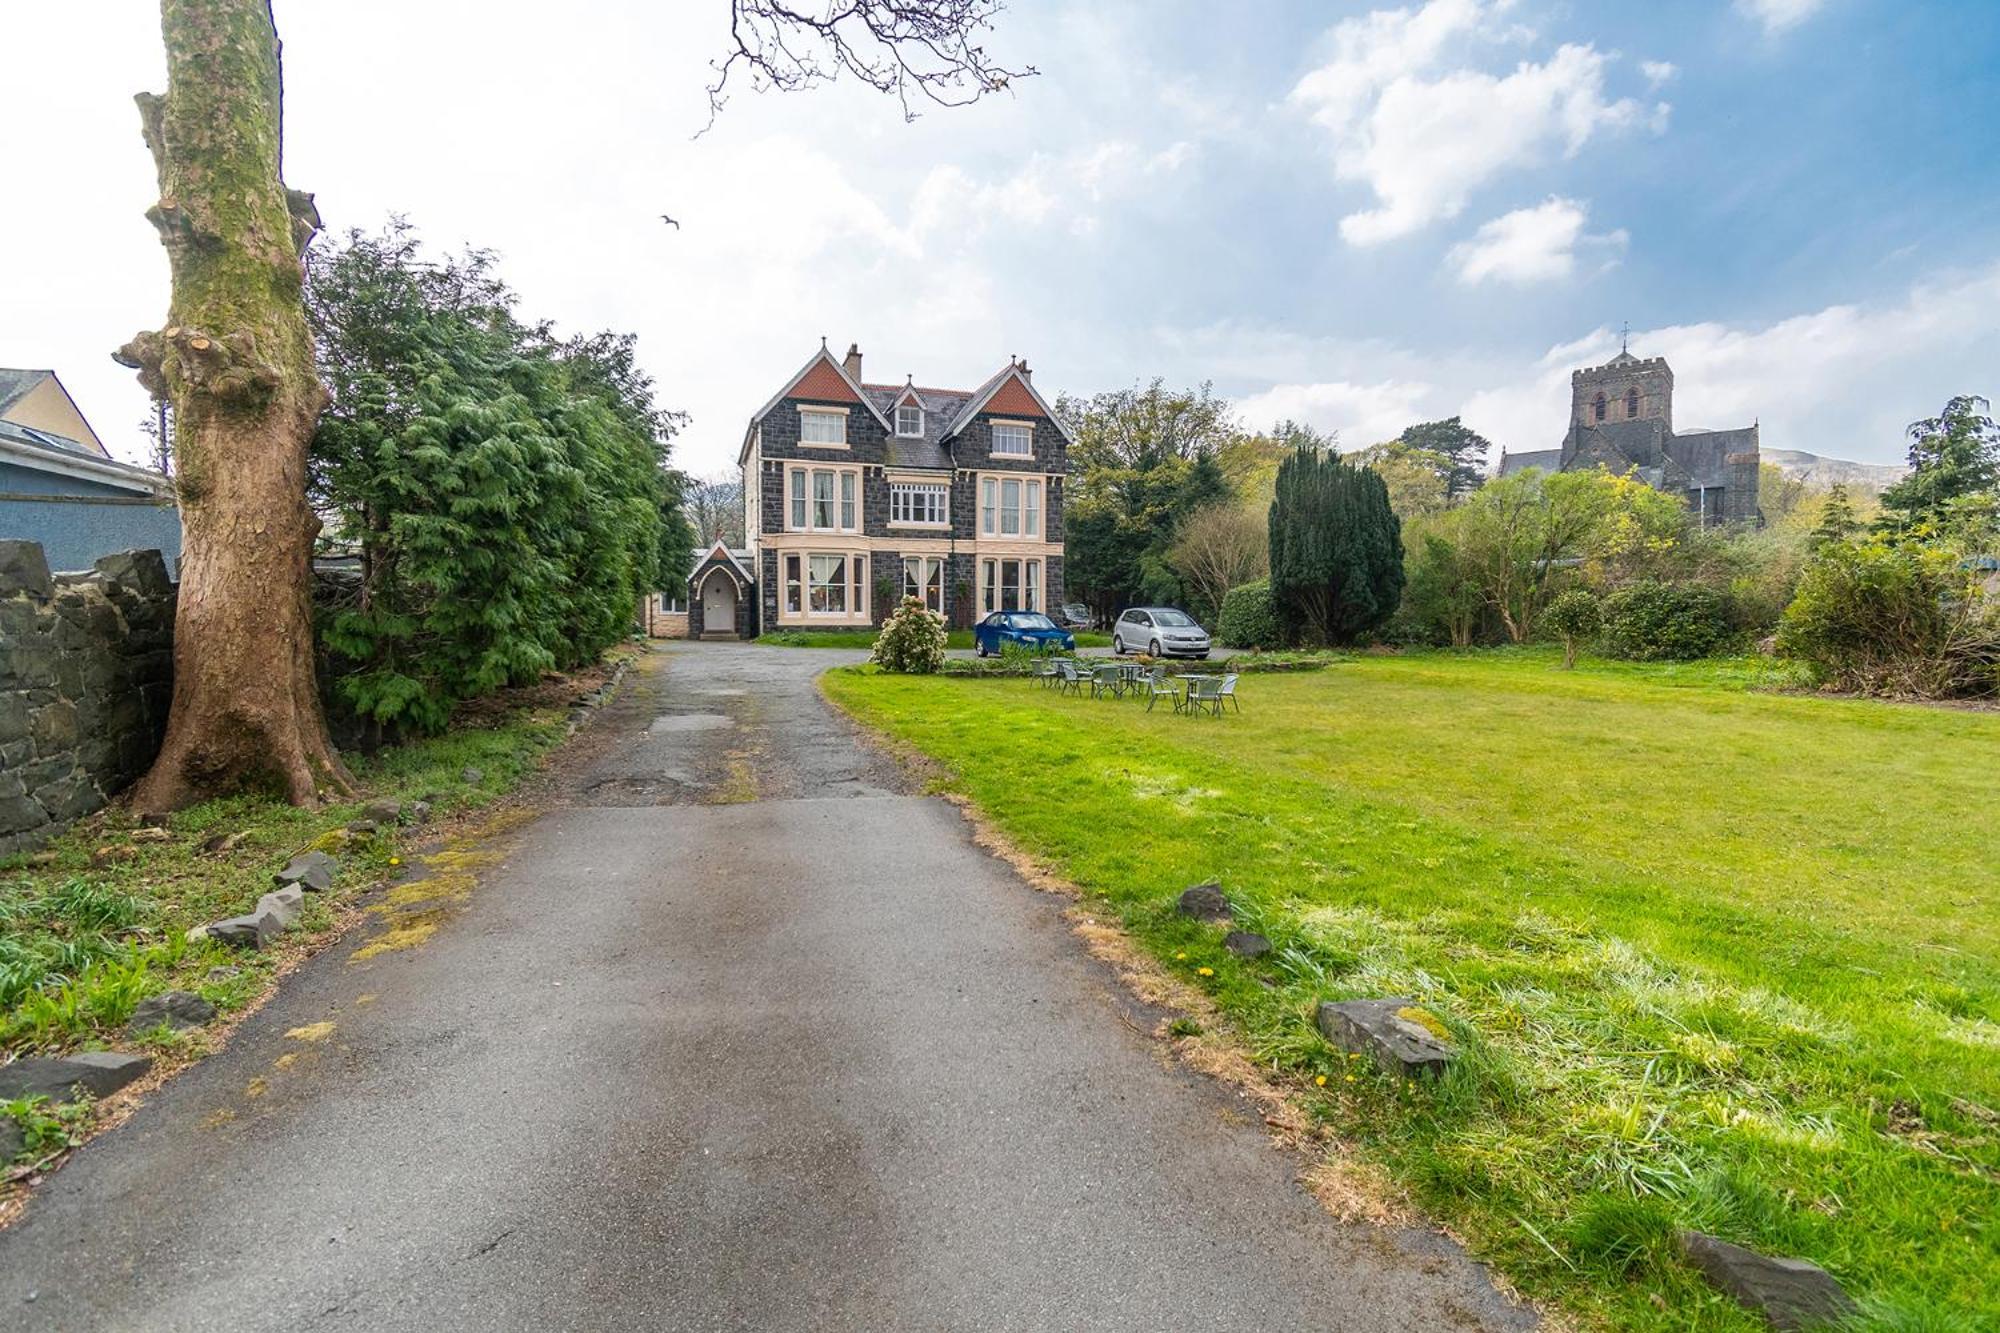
pixel 915 429
pixel 1024 431
pixel 919 504
pixel 834 587
pixel 997 518
pixel 993 583
pixel 923 578
pixel 841 504
pixel 820 417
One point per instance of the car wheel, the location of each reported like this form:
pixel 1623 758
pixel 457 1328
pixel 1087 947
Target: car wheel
pixel 979 647
pixel 1117 646
pixel 1155 649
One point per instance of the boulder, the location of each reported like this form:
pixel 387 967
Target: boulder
pixel 23 568
pixel 284 904
pixel 252 930
pixel 1246 944
pixel 143 572
pixel 385 811
pixel 312 871
pixel 100 1073
pixel 419 811
pixel 363 828
pixel 1392 1032
pixel 1789 1293
pixel 1205 902
pixel 178 1009
pixel 472 777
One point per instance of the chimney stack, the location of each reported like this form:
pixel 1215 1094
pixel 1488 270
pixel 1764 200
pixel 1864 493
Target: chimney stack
pixel 851 363
pixel 1026 373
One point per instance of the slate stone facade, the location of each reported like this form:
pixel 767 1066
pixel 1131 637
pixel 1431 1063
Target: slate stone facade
pixel 86 674
pixel 1622 419
pixel 953 449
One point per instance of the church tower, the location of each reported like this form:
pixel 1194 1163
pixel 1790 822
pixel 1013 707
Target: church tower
pixel 1625 388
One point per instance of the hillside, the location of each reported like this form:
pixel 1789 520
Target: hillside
pixel 1817 471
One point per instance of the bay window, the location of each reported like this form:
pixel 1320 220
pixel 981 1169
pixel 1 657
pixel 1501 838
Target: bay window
pixel 1010 507
pixel 1010 585
pixel 824 499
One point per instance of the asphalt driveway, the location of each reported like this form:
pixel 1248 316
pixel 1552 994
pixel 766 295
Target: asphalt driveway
pixel 740 1034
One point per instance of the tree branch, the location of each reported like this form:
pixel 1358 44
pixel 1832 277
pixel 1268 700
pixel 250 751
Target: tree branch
pixel 915 49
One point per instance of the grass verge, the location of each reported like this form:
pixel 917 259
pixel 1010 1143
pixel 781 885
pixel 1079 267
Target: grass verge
pixel 98 920
pixel 1715 957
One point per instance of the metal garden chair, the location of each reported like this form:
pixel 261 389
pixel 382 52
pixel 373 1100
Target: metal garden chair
pixel 1159 685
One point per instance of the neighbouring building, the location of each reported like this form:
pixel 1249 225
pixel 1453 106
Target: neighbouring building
pixel 60 487
pixel 857 495
pixel 1621 417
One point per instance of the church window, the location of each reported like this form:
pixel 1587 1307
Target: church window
pixel 1632 404
pixel 1597 408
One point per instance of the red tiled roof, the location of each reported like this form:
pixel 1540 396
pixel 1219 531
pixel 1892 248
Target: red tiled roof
pixel 824 384
pixel 1013 399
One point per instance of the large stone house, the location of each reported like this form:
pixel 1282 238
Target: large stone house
pixel 857 495
pixel 1622 418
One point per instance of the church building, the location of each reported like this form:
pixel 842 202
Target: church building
pixel 1621 418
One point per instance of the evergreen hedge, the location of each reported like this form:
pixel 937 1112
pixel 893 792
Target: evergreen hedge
pixel 1249 619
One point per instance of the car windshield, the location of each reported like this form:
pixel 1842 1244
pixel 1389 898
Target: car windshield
pixel 1175 619
pixel 1030 621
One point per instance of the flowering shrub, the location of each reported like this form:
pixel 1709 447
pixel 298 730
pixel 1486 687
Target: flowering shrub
pixel 911 642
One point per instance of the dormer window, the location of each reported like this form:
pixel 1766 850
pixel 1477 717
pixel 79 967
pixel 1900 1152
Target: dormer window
pixel 910 421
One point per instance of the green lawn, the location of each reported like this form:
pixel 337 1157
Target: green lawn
pixel 1718 958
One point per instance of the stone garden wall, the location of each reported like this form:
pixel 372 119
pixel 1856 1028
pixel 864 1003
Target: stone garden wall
pixel 86 672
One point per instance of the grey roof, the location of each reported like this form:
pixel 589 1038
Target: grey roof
pixel 28 446
pixel 15 384
pixel 1548 460
pixel 940 406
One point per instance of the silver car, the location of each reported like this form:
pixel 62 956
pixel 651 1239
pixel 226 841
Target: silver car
pixel 1159 631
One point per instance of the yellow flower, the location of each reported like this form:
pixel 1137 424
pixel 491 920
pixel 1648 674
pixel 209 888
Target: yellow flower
pixel 395 860
pixel 1204 971
pixel 1181 957
pixel 1350 1078
pixel 1320 1081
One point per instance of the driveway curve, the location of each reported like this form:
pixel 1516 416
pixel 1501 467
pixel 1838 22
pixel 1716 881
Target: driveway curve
pixel 741 1033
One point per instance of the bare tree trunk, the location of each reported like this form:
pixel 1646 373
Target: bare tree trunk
pixel 236 361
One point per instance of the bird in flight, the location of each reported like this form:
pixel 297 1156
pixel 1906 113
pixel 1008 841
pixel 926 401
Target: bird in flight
pixel 670 222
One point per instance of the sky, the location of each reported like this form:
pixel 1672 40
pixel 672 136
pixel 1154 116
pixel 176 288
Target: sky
pixel 1355 217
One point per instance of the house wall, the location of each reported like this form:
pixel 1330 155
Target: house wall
pixel 47 407
pixel 88 521
pixel 85 679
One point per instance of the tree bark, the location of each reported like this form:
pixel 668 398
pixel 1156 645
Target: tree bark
pixel 236 360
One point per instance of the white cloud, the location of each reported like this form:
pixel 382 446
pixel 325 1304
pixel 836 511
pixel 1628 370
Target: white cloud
pixel 1779 15
pixel 1840 381
pixel 1422 137
pixel 1530 244
pixel 1364 414
pixel 1659 73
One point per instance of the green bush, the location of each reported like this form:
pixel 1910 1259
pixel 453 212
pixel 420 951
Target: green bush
pixel 1653 621
pixel 912 641
pixel 1577 616
pixel 1896 619
pixel 1248 619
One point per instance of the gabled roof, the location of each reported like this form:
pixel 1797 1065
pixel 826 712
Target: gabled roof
pixel 718 553
pixel 927 452
pixel 825 379
pixel 27 447
pixel 1014 391
pixel 16 384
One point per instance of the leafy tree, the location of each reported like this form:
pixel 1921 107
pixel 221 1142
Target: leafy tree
pixel 1336 548
pixel 1576 615
pixel 1144 459
pixel 235 360
pixel 1248 619
pixel 678 537
pixel 1416 478
pixel 1954 458
pixel 1216 549
pixel 1443 598
pixel 1463 449
pixel 1837 520
pixel 502 490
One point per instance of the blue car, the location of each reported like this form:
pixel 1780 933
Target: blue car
pixel 1025 629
